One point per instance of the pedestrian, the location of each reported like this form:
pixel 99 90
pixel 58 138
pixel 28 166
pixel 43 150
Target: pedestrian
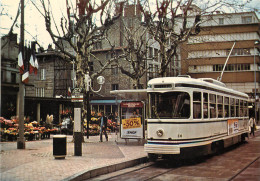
pixel 103 126
pixel 252 125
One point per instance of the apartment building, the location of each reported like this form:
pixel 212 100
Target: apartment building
pixel 205 55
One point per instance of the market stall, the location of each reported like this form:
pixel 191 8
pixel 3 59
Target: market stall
pixel 32 131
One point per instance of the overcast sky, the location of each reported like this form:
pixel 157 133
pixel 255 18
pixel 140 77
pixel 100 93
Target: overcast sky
pixel 34 22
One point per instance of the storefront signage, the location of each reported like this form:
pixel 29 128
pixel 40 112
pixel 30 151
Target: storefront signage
pixel 131 104
pixel 77 96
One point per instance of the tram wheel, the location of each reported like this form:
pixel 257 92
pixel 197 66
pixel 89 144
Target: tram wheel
pixel 152 157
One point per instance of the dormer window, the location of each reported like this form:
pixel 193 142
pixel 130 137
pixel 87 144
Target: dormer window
pixel 246 19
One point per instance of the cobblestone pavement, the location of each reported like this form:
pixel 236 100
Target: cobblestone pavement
pixel 36 162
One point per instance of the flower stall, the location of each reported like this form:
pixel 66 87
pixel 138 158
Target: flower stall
pixel 32 131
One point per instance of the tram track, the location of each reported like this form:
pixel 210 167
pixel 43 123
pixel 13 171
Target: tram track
pixel 228 165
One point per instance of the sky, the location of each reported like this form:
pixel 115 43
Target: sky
pixel 34 21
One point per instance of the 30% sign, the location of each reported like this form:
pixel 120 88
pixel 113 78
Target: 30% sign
pixel 131 123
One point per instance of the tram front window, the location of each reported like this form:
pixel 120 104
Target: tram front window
pixel 170 105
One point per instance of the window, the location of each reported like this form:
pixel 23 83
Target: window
pixel 91 66
pixel 241 106
pixel 221 21
pixel 237 107
pixel 226 107
pixel 150 52
pixel 196 105
pixel 246 19
pixel 220 106
pixel 232 107
pixel 156 70
pixel 13 77
pixel 115 87
pixel 213 108
pixel 170 105
pixel 205 106
pixel 232 67
pixel 245 108
pixel 40 92
pixel 43 72
pixel 114 69
pixel 156 55
pixel 239 51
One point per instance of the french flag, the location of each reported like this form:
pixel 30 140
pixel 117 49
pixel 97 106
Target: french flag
pixel 25 77
pixel 32 64
pixel 36 66
pixel 20 63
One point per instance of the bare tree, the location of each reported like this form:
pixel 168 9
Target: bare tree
pixel 135 50
pixel 172 22
pixel 80 23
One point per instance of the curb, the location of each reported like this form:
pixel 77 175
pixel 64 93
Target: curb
pixel 105 170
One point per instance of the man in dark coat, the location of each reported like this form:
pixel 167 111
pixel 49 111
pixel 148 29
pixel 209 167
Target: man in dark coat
pixel 103 126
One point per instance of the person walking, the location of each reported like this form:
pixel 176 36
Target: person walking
pixel 103 126
pixel 252 125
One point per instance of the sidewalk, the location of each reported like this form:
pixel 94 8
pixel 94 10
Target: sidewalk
pixel 36 162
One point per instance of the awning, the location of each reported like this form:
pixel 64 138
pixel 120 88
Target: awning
pixel 105 102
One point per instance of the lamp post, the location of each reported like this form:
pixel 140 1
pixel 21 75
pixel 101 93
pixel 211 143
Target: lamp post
pixel 255 68
pixel 88 87
pixel 21 140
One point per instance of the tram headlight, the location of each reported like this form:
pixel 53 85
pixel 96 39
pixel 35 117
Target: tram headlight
pixel 159 132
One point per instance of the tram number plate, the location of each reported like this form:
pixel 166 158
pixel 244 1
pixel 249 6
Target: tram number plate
pixel 131 123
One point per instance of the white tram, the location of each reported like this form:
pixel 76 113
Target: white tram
pixel 192 117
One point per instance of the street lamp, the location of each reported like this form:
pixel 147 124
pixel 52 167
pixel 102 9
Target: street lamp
pixel 255 68
pixel 100 81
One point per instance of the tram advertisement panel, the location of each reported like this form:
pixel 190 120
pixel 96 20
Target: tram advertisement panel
pixel 232 126
pixel 132 119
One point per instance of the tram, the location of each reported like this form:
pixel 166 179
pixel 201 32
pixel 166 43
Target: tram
pixel 190 117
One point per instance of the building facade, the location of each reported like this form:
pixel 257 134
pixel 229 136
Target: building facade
pixel 47 93
pixel 205 55
pixel 10 76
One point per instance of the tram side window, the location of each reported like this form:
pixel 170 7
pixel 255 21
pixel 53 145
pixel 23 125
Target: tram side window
pixel 226 107
pixel 241 113
pixel 220 106
pixel 213 110
pixel 246 108
pixel 205 105
pixel 237 107
pixel 196 105
pixel 232 107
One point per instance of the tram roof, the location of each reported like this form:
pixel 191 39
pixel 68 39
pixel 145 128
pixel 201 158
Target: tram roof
pixel 210 83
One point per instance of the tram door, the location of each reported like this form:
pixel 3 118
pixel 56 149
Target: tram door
pixel 132 119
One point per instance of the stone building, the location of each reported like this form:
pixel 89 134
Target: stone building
pixel 10 76
pixel 48 91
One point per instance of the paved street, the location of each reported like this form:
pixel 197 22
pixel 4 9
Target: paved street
pixel 36 162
